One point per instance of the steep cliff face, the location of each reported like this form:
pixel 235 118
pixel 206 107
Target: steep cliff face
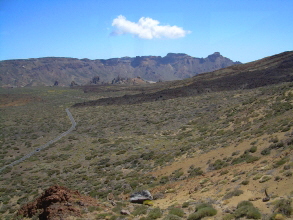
pixel 47 71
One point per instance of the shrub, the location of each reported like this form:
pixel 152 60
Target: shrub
pixel 194 171
pixel 164 179
pixel 185 204
pixel 245 157
pixel 280 162
pixel 155 213
pixel 244 203
pixel 266 151
pixel 236 192
pixel 277 216
pixel 203 212
pixel 176 211
pixel 265 178
pixel 177 174
pixel 228 217
pixel 139 210
pixel 276 145
pixel 246 209
pixel 288 173
pixel 284 206
pixel 202 205
pixel 103 140
pixel 219 164
pixel 172 217
pixel 253 149
pixel 245 182
pixel 223 172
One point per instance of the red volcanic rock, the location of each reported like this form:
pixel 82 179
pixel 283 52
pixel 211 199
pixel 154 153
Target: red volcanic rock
pixel 55 203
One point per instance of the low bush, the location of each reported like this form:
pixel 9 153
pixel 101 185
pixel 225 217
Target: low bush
pixel 176 211
pixel 281 162
pixel 245 157
pixel 228 217
pixel 253 149
pixel 245 182
pixel 266 151
pixel 202 210
pixel 185 204
pixel 283 206
pixel 218 164
pixel 164 179
pixel 194 171
pixel 236 192
pixel 246 209
pixel 140 210
pixel 276 145
pixel 155 213
pixel 172 217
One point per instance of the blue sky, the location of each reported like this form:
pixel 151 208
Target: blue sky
pixel 242 30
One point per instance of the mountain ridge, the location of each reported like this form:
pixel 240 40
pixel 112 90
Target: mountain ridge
pixel 269 70
pixel 47 70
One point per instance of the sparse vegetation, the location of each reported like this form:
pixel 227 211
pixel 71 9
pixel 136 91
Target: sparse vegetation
pixel 236 192
pixel 118 148
pixel 202 210
pixel 284 207
pixel 246 209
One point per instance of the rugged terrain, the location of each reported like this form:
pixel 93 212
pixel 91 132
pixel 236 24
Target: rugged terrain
pixel 59 71
pixel 214 148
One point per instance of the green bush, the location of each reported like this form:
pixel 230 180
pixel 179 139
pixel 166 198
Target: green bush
pixel 245 182
pixel 164 179
pixel 246 209
pixel 218 164
pixel 155 213
pixel 283 206
pixel 244 203
pixel 172 217
pixel 266 151
pixel 276 145
pixel 253 149
pixel 245 157
pixel 194 171
pixel 288 173
pixel 236 192
pixel 280 162
pixel 185 204
pixel 228 217
pixel 176 211
pixel 203 212
pixel 140 210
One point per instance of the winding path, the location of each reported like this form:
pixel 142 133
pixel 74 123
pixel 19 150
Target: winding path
pixel 45 145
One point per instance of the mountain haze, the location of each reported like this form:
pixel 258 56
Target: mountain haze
pixel 62 71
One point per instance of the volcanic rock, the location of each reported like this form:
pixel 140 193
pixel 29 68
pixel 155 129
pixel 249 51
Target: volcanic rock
pixel 139 197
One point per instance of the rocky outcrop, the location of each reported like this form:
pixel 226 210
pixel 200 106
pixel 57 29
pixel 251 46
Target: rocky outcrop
pixel 57 201
pixel 141 196
pixel 48 70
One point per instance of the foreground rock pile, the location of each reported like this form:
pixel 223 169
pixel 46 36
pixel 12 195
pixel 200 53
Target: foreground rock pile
pixel 57 202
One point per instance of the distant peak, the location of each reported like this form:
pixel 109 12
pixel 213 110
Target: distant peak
pixel 176 54
pixel 216 54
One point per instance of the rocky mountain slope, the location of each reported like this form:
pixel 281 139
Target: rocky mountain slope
pixel 270 70
pixel 63 71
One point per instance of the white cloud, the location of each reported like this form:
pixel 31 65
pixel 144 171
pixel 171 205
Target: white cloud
pixel 146 28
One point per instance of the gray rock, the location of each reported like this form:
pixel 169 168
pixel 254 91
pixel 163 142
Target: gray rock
pixel 125 212
pixel 139 197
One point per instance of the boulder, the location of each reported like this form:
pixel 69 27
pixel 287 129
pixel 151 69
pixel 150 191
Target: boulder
pixel 139 197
